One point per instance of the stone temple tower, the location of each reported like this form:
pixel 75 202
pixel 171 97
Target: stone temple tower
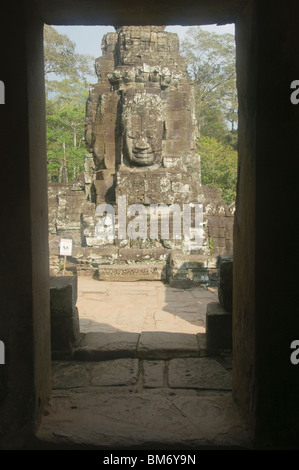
pixel 140 115
pixel 140 122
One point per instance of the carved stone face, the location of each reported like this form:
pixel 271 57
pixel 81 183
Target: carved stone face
pixel 142 131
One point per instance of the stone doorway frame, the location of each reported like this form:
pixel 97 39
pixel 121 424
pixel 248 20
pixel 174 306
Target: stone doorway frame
pixel 25 328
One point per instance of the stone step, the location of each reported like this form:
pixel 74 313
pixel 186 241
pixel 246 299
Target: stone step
pixel 146 345
pixel 132 272
pixel 105 346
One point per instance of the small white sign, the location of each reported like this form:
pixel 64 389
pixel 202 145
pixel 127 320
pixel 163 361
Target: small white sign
pixel 66 247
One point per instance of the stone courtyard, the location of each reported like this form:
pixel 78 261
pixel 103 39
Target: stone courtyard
pixel 141 306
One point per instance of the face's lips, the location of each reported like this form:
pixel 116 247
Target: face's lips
pixel 145 151
pixel 143 158
pixel 142 154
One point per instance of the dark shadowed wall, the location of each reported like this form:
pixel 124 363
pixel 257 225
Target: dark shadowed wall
pixel 265 310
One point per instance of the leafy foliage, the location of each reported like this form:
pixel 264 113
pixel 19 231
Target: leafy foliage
pixel 211 65
pixel 219 166
pixel 66 150
pixel 61 58
pixel 66 95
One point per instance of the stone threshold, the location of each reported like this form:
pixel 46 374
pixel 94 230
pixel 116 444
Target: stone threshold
pixel 99 346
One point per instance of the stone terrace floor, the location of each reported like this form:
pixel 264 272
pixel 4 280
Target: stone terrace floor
pixel 141 306
pixel 141 377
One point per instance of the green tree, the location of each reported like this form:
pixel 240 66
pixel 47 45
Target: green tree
pixel 218 166
pixel 66 75
pixel 61 58
pixel 65 147
pixel 211 65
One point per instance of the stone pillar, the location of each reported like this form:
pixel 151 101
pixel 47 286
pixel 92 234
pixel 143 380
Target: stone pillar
pixel 244 380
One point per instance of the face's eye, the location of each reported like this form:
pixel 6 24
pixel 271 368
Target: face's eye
pixel 150 134
pixel 133 135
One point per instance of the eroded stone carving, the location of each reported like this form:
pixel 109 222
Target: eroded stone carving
pixel 141 112
pixel 142 129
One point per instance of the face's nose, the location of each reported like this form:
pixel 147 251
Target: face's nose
pixel 141 143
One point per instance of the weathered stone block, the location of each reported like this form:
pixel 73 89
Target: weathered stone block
pixel 104 190
pixel 151 255
pixel 225 289
pixel 104 346
pixel 120 372
pixel 163 345
pixel 64 313
pixel 98 242
pixel 218 327
pixel 63 295
pixel 198 373
pixel 137 272
pixel 101 255
pixel 202 343
pixel 153 374
pixel 67 375
pixel 188 270
pixel 64 333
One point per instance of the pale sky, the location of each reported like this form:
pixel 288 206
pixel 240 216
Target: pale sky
pixel 88 38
